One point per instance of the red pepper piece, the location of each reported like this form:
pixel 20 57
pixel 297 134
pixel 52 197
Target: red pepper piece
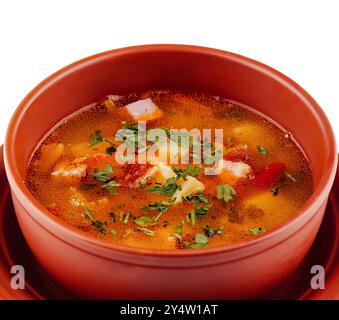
pixel 269 176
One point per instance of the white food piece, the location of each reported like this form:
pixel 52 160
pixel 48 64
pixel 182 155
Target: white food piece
pixel 190 186
pixel 160 172
pixel 144 110
pixel 171 153
pixel 75 169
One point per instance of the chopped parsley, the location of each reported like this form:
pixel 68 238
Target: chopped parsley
pixel 201 241
pixel 111 187
pixel 275 190
pixel 178 229
pixel 168 189
pixel 262 150
pixel 125 220
pixel 157 206
pixel 113 232
pixel 88 214
pixel 112 216
pixel 209 232
pixel 111 150
pixel 193 217
pixel 196 198
pixel 95 138
pixel 99 226
pixel 102 175
pixel 257 231
pixel 144 221
pixel 109 183
pixel 169 111
pixel 202 210
pixel 146 231
pixel 142 185
pixel 192 171
pixel 165 223
pixel 225 192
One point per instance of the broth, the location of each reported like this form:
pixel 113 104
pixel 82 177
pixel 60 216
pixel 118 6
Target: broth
pixel 260 181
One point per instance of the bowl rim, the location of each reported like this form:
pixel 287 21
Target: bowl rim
pixel 32 205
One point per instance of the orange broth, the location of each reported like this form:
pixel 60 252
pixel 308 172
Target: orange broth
pixel 229 209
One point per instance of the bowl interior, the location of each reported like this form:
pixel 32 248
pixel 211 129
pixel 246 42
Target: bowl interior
pixel 173 67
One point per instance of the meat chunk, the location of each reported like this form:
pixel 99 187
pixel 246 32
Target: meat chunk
pixel 231 171
pixel 143 110
pixel 71 172
pixel 188 187
pixel 139 173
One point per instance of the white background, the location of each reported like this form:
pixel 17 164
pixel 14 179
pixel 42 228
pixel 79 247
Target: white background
pixel 299 38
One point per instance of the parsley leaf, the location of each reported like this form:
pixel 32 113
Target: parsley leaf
pixel 168 189
pixel 192 171
pixel 157 206
pixel 102 175
pixel 146 231
pixel 111 186
pixel 197 198
pixel 111 150
pixel 225 192
pixel 144 221
pixel 257 231
pixel 200 238
pixel 209 232
pixel 261 149
pixel 275 190
pixel 99 226
pixel 202 210
pixel 95 138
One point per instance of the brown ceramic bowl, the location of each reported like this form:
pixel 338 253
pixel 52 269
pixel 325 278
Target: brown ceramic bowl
pixel 95 269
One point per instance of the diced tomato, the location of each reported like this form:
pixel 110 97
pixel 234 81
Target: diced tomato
pixel 134 173
pixel 237 154
pixel 269 176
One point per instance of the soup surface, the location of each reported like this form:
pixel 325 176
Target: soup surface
pixel 251 181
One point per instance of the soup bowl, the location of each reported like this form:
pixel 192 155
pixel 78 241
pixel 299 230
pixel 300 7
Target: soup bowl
pixel 92 268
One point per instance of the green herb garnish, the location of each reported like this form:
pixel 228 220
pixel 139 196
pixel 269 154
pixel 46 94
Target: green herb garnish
pixel 146 231
pixel 112 216
pixel 201 241
pixel 88 214
pixel 261 149
pixel 197 198
pixel 144 221
pixel 157 206
pixel 125 221
pixel 102 175
pixel 111 150
pixel 111 187
pixel 275 190
pixel 192 171
pixel 257 231
pixel 142 185
pixel 193 217
pixel 168 189
pixel 209 232
pixel 202 210
pixel 225 192
pixel 99 226
pixel 95 138
pixel 112 231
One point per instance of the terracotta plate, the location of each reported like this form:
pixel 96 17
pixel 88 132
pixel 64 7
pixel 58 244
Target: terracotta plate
pixel 39 285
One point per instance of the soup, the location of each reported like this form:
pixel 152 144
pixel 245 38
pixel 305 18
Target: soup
pixel 98 171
